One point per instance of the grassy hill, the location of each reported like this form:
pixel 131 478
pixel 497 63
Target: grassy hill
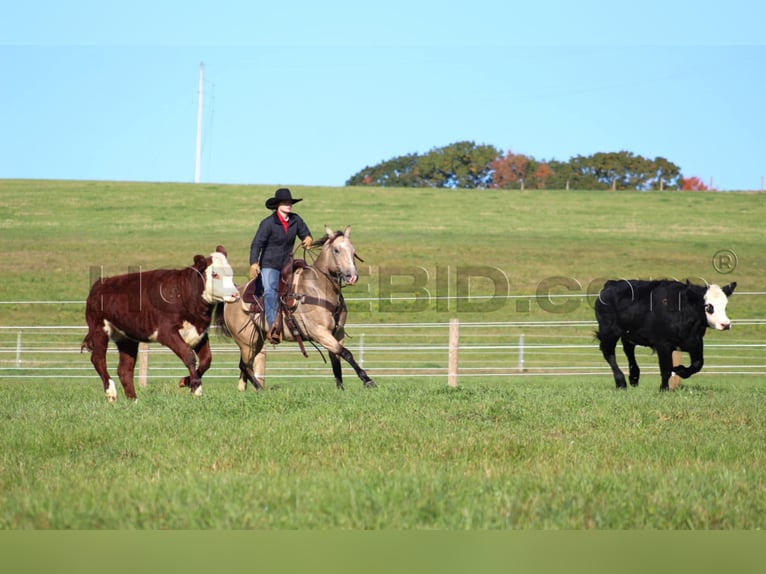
pixel 57 234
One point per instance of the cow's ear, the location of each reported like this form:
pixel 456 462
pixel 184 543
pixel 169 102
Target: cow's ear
pixel 222 249
pixel 695 293
pixel 200 263
pixel 729 289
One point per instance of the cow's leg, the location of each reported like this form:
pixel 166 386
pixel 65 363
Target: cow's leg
pixel 204 360
pixel 665 358
pixel 175 343
pixel 630 353
pixel 608 346
pixel 99 341
pixel 696 355
pixel 126 366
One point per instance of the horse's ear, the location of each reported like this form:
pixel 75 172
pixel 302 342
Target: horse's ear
pixel 328 230
pixel 222 249
pixel 347 232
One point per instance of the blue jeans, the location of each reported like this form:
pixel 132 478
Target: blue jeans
pixel 270 282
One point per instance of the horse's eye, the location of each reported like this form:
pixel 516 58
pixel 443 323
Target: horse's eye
pixel 709 309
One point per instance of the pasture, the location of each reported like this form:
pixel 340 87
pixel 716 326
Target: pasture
pixel 508 448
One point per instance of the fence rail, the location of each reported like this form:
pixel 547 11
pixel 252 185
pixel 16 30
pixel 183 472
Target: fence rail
pixel 391 350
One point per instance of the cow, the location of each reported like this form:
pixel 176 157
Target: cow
pixel 173 307
pixel 664 315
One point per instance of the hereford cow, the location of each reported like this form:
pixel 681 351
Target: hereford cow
pixel 664 315
pixel 173 307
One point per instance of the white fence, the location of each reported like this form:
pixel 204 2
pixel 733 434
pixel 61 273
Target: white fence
pixel 387 351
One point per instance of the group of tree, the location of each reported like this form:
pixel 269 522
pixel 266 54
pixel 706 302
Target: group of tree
pixel 466 165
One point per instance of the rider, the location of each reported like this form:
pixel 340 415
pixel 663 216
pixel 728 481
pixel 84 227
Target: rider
pixel 272 247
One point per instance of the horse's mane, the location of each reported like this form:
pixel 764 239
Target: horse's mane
pixel 325 238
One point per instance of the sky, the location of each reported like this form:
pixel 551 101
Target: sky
pixel 309 93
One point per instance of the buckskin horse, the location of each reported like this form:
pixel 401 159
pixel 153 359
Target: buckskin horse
pixel 312 308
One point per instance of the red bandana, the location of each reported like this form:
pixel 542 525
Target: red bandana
pixel 282 220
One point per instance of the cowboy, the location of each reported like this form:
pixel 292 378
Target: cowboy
pixel 272 247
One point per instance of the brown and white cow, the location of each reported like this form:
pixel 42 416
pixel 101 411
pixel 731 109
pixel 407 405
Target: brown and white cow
pixel 172 307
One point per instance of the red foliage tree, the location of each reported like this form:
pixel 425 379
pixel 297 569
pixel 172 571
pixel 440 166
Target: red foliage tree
pixel 518 170
pixel 509 170
pixel 693 183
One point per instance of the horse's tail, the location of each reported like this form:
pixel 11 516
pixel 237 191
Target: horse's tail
pixel 219 322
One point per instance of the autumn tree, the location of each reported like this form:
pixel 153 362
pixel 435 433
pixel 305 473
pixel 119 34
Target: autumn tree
pixel 466 165
pixel 518 170
pixel 693 183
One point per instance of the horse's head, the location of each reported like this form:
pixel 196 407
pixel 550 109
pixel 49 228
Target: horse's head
pixel 338 255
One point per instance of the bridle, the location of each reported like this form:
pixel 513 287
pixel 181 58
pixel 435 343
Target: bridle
pixel 336 279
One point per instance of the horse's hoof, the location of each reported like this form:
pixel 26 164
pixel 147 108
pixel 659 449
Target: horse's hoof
pixel 241 386
pixel 370 384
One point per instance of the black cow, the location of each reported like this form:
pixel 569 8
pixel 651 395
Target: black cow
pixel 664 315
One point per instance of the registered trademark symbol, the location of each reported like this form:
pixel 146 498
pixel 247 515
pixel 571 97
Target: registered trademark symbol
pixel 725 261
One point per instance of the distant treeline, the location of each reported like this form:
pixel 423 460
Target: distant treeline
pixel 465 165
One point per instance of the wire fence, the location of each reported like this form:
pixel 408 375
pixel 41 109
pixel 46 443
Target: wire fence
pixel 388 351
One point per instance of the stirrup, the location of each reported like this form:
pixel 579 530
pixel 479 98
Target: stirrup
pixel 274 336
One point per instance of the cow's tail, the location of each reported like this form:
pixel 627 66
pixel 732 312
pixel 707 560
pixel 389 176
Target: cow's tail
pixel 87 344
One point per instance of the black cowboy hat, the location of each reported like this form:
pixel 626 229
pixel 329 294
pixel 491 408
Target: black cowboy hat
pixel 281 195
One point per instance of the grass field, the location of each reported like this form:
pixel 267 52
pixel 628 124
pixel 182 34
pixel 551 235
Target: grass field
pixel 541 452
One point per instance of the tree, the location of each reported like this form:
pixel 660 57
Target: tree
pixel 458 165
pixel 518 170
pixel 509 170
pixel 466 165
pixel 400 171
pixel 667 175
pixel 693 183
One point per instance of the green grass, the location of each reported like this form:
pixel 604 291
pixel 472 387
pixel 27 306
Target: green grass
pixel 501 452
pixel 545 453
pixel 54 234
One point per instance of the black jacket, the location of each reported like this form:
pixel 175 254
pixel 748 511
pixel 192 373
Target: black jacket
pixel 271 246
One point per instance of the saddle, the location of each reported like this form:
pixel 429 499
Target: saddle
pixel 252 300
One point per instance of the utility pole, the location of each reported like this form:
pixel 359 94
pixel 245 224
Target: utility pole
pixel 199 125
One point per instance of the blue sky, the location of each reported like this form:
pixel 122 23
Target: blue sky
pixel 308 93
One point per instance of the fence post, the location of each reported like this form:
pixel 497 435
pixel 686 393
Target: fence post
pixel 143 364
pixel 454 336
pixel 18 349
pixel 521 353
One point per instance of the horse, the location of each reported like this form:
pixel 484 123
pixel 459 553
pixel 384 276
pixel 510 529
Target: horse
pixel 317 308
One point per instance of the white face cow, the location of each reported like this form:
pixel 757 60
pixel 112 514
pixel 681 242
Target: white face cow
pixel 716 299
pixel 219 280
